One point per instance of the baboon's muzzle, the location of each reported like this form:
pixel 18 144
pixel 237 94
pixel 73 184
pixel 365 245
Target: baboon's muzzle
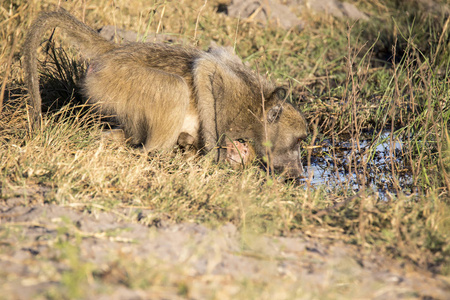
pixel 289 164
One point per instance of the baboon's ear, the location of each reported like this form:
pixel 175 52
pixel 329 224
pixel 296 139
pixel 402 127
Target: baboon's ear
pixel 274 113
pixel 279 93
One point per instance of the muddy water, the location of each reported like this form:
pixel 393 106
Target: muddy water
pixel 376 164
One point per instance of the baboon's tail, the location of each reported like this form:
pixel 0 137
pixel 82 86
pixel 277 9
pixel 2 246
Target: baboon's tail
pixel 88 40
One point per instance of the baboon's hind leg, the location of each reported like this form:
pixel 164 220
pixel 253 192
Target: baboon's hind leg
pixel 166 113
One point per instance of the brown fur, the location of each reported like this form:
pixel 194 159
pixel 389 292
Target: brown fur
pixel 159 91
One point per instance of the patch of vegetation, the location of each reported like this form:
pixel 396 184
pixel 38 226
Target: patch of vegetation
pixel 355 83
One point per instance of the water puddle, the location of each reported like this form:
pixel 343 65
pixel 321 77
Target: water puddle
pixel 368 164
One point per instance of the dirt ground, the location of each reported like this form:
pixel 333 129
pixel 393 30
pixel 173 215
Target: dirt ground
pixel 45 249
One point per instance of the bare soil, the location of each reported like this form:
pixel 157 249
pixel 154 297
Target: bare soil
pixel 42 242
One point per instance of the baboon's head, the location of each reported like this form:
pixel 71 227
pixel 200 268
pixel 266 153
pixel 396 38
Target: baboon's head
pixel 285 128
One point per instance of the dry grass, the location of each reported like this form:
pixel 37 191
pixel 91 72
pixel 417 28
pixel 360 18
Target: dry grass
pixel 339 82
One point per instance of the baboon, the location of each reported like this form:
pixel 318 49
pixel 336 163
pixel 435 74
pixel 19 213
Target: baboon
pixel 157 91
